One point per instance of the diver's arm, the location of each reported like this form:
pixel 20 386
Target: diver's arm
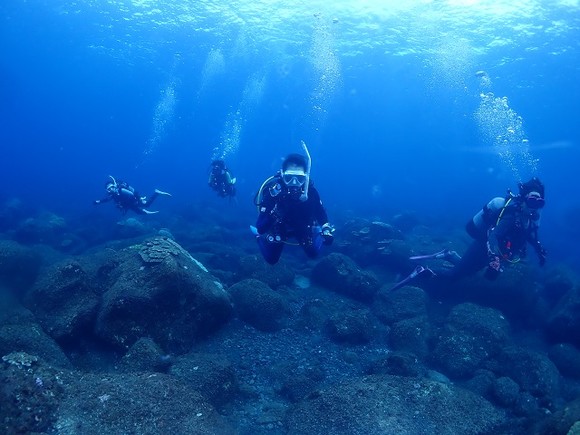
pixel 267 215
pixel 319 211
pixel 532 238
pixel 103 200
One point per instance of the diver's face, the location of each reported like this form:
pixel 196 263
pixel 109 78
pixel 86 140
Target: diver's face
pixel 111 188
pixel 534 201
pixel 294 178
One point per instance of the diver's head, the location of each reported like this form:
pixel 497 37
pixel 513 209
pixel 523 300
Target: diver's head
pixel 533 193
pixel 294 174
pixel 218 164
pixel 111 187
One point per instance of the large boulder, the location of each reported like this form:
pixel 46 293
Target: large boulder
pixel 145 356
pixel 394 306
pixel 30 394
pixel 19 266
pixel 258 305
pixel 65 301
pixel 567 359
pixel 19 332
pixel 564 320
pixel 374 243
pixel 533 371
pixel 254 267
pixel 355 327
pixel 164 293
pixel 46 228
pixel 411 335
pixel 386 404
pixel 339 273
pixel 470 336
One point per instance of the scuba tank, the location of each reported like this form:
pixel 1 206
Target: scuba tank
pixel 487 217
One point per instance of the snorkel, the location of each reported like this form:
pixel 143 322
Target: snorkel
pixel 113 182
pixel 304 195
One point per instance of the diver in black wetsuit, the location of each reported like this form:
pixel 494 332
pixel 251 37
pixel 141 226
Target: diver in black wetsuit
pixel 221 180
pixel 501 231
pixel 127 198
pixel 290 207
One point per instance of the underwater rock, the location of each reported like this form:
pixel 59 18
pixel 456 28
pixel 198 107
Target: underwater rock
pixel 212 376
pixel 19 266
pixel 47 228
pixel 374 242
pixel 258 305
pixel 144 356
pixel 505 391
pixel 131 227
pixel 564 421
pixel 64 301
pixel 393 306
pixel 411 335
pixel 558 283
pixel 564 322
pixel 516 283
pixel 481 383
pixel 30 394
pixel 533 371
pixel 471 335
pixel 12 211
pixel 350 328
pixel 313 315
pixel 254 267
pixel 339 273
pixel 384 404
pixel 567 359
pixel 19 332
pixel 161 292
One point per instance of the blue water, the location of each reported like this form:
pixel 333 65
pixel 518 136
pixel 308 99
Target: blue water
pixel 385 93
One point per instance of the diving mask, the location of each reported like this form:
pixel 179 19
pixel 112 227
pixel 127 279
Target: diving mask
pixel 294 178
pixel 534 200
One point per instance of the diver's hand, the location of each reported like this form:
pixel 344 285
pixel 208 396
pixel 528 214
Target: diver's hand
pixel 495 264
pixel 326 231
pixel 494 268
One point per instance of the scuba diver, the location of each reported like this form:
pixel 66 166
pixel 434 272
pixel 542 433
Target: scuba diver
pixel 500 232
pixel 221 180
pixel 127 198
pixel 290 207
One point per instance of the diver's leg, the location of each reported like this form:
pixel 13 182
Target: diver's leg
pixel 150 199
pixel 271 251
pixel 474 259
pixel 313 245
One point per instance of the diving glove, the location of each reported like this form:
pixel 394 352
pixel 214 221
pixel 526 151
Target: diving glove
pixel 326 231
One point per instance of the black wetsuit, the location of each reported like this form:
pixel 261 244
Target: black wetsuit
pixel 222 182
pixel 127 198
pixel 503 229
pixel 284 216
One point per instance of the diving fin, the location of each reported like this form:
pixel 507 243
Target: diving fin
pixel 416 272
